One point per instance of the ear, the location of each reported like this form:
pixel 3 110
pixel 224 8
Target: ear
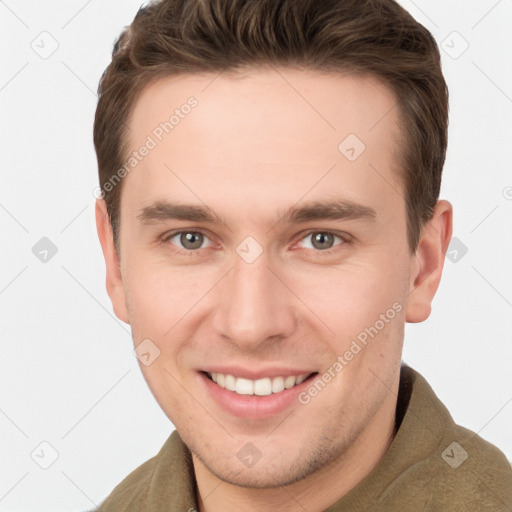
pixel 427 263
pixel 114 281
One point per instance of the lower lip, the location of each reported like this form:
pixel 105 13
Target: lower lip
pixel 254 406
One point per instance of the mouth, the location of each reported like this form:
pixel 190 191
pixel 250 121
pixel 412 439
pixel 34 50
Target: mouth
pixel 259 387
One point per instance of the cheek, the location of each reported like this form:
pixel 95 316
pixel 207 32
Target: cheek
pixel 162 298
pixel 159 295
pixel 164 306
pixel 169 389
pixel 351 295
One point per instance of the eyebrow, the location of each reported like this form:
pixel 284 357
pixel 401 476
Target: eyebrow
pixel 313 211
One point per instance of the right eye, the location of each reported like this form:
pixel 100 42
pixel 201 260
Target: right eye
pixel 187 240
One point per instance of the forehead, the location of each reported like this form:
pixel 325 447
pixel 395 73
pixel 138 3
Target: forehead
pixel 269 98
pixel 280 133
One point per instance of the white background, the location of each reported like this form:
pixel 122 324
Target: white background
pixel 69 376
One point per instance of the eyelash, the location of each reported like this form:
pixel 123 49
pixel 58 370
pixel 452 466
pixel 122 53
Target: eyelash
pixel 345 240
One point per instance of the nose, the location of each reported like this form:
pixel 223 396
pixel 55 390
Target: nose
pixel 254 306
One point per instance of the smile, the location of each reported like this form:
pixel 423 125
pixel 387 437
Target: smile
pixel 260 387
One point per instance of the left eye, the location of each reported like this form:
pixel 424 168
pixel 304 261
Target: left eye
pixel 322 240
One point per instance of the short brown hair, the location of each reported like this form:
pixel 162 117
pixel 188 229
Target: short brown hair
pixel 378 37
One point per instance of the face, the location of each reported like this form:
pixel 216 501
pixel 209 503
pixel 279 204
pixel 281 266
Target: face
pixel 263 245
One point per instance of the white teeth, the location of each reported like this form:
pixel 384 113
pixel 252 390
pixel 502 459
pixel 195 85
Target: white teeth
pixel 300 379
pixel 277 384
pixel 289 382
pixel 244 386
pixel 260 387
pixel 230 383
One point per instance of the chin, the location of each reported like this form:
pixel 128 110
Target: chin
pixel 270 472
pixel 257 478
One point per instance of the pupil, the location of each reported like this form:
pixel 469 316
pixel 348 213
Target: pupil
pixel 191 240
pixel 321 238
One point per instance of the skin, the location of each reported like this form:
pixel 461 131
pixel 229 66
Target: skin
pixel 252 147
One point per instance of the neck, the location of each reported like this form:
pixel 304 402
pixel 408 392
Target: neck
pixel 314 493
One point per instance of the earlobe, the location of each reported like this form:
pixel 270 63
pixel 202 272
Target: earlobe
pixel 428 261
pixel 114 282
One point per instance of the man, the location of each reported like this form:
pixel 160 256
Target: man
pixel 270 173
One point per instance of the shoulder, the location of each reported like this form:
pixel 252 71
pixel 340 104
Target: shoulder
pixel 462 469
pixel 132 491
pixel 165 480
pixel 474 472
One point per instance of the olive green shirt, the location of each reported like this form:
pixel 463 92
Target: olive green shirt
pixel 432 465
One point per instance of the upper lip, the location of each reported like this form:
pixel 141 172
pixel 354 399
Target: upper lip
pixel 255 374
